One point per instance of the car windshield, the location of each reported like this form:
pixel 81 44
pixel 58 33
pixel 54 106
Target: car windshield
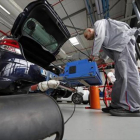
pixel 36 31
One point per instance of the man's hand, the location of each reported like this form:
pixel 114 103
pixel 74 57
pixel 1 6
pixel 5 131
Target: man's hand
pixel 100 61
pixel 91 58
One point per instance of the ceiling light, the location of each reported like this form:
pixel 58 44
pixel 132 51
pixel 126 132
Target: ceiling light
pixel 4 9
pixel 74 41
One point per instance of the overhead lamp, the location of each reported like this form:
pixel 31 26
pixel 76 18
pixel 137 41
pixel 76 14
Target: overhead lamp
pixel 4 9
pixel 74 41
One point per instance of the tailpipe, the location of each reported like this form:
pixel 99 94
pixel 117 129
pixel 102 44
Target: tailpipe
pixel 30 117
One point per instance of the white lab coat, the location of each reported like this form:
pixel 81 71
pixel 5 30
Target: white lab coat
pixel 118 42
pixel 112 35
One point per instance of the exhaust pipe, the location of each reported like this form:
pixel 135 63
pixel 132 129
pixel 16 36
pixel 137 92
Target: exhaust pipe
pixel 30 117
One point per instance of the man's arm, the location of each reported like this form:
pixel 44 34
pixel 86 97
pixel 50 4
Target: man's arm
pixel 100 61
pixel 99 28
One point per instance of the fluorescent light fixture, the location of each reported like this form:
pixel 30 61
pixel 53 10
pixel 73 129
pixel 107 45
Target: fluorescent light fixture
pixel 74 41
pixel 139 44
pixel 4 9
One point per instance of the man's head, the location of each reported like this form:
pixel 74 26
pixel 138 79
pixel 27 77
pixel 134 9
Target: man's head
pixel 89 34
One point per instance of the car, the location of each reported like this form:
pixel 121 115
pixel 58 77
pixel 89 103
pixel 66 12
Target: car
pixel 36 37
pixel 34 42
pixel 81 96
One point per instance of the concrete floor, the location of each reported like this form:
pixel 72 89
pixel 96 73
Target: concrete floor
pixel 89 124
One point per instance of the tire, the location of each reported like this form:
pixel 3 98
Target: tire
pixel 39 106
pixel 77 98
pixel 85 102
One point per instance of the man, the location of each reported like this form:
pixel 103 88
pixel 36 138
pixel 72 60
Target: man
pixel 118 42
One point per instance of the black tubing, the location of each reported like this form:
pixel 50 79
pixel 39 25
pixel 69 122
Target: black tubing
pixel 137 50
pixel 104 89
pixel 30 117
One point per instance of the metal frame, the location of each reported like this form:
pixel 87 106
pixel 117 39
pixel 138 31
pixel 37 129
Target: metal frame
pixel 136 10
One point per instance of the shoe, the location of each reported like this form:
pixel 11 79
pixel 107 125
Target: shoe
pixel 107 109
pixel 124 113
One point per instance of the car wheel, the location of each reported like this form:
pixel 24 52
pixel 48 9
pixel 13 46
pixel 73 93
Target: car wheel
pixel 77 98
pixel 85 102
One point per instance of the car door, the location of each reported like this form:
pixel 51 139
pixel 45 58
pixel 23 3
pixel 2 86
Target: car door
pixel 40 32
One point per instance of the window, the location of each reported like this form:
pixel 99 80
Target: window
pixel 36 31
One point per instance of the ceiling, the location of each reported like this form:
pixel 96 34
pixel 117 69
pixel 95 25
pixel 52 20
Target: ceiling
pixel 78 20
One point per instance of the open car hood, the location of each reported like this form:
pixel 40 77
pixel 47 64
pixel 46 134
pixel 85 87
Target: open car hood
pixel 41 32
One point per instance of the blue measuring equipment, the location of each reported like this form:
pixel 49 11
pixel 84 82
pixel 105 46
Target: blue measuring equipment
pixel 81 73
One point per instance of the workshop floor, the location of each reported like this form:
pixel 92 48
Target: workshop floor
pixel 89 124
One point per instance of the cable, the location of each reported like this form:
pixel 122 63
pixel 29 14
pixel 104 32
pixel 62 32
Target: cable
pixel 71 114
pixel 70 21
pixel 68 16
pixel 81 52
